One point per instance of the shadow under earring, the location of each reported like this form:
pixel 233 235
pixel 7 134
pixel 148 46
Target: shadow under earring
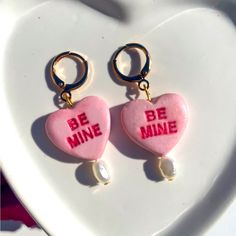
pixel 82 129
pixel 156 124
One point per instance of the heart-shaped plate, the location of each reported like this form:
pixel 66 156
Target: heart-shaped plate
pixel 193 53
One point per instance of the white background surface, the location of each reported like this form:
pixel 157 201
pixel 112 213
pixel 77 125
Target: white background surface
pixel 224 226
pixel 193 53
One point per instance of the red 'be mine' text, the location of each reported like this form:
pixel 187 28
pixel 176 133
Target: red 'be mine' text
pixel 159 125
pixel 81 134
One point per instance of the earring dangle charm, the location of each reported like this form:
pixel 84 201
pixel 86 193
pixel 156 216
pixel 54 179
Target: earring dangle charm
pixel 82 129
pixel 156 124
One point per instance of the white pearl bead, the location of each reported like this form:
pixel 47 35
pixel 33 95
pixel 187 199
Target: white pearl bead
pixel 167 168
pixel 101 172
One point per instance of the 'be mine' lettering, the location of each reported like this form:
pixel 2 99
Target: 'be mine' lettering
pixel 82 130
pixel 159 126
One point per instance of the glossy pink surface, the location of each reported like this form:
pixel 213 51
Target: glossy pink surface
pixel 158 125
pixel 81 131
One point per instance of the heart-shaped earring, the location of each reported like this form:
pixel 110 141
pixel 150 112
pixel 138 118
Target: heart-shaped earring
pixel 155 124
pixel 82 129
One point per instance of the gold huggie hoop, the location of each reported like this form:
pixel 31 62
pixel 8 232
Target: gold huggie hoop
pixel 143 84
pixel 65 89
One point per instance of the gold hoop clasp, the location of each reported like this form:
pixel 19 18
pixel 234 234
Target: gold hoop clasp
pixel 143 84
pixel 65 89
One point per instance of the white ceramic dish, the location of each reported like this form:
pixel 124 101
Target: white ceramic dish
pixel 193 49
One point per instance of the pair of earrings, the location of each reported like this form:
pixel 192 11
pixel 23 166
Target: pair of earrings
pixel 82 130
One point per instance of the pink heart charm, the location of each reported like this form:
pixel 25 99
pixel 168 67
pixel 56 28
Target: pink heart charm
pixel 81 131
pixel 158 125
